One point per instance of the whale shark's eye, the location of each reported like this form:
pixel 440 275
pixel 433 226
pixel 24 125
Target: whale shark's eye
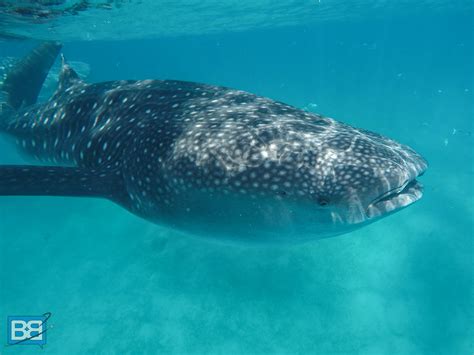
pixel 323 201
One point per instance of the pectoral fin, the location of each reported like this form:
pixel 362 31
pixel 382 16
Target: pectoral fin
pixel 29 180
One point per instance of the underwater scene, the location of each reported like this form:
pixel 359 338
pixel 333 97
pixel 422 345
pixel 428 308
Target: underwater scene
pixel 236 177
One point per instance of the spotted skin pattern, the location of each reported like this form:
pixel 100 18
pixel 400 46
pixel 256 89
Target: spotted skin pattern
pixel 220 162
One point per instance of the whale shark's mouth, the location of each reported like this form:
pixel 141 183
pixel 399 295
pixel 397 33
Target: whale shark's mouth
pixel 395 199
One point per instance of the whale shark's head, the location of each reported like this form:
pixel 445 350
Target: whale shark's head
pixel 288 177
pixel 363 176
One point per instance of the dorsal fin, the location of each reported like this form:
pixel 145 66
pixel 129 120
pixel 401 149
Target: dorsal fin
pixel 68 76
pixel 24 81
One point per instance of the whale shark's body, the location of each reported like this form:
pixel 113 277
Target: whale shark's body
pixel 205 159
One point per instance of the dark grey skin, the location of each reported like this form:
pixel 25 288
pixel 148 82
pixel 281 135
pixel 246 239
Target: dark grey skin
pixel 210 160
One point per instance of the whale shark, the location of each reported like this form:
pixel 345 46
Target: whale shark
pixel 201 159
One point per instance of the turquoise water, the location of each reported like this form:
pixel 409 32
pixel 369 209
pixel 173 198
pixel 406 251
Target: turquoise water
pixel 404 285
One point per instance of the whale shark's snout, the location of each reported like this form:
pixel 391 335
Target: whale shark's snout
pixel 398 195
pixel 383 181
pixel 396 199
